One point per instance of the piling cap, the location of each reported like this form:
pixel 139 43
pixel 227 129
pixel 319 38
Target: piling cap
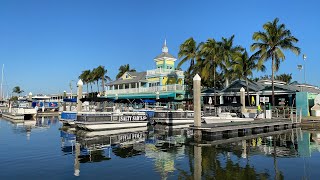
pixel 30 93
pixel 197 78
pixel 80 83
pixel 242 89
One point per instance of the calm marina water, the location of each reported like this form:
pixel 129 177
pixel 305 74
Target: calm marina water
pixel 46 150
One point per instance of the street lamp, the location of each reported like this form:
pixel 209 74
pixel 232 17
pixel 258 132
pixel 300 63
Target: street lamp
pixel 304 59
pixel 300 67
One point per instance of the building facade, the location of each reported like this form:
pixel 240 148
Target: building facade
pixel 164 82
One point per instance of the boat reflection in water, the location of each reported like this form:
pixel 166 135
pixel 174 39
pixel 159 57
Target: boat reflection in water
pixel 28 126
pixel 97 146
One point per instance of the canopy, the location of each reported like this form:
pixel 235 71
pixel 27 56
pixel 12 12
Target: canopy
pixel 69 100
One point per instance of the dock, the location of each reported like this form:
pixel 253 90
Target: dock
pixel 47 114
pixel 235 129
pixel 13 116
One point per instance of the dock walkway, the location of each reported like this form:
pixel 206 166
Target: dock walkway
pixel 234 129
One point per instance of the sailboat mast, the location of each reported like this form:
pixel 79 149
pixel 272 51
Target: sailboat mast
pixel 2 94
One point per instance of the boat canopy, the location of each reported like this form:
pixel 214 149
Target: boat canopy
pixel 70 100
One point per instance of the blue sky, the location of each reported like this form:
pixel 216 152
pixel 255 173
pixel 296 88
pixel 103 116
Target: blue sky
pixel 45 44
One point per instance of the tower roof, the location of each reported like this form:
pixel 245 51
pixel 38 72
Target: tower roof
pixel 165 53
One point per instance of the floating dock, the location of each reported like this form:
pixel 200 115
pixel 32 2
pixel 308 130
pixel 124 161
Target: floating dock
pixel 236 129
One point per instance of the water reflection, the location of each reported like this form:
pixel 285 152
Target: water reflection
pixel 232 158
pixel 28 126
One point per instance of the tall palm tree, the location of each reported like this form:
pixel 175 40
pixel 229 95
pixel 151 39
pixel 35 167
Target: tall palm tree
pixel 100 74
pixel 96 74
pixel 188 51
pixel 85 77
pixel 91 79
pixel 270 44
pixel 211 52
pixel 123 69
pixel 227 52
pixel 243 65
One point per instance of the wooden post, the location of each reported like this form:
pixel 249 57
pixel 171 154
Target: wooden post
pixel 30 100
pixel 77 160
pixel 197 162
pixel 79 95
pixel 196 100
pixel 242 99
pixel 64 103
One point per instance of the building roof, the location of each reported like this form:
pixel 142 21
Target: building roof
pixel 236 85
pixel 136 77
pixel 164 55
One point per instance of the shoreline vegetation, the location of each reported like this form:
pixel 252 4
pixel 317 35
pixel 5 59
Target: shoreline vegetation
pixel 221 62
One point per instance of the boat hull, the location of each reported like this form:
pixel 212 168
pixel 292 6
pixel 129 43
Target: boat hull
pixel 110 125
pixel 213 120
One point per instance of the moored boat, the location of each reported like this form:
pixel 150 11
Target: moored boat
pixel 173 117
pixel 225 117
pixel 95 121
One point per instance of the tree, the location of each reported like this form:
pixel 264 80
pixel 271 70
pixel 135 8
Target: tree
pixel 227 52
pixel 188 51
pixel 17 90
pixel 211 52
pixel 85 77
pixel 243 65
pixel 270 45
pixel 284 77
pixel 123 69
pixel 100 74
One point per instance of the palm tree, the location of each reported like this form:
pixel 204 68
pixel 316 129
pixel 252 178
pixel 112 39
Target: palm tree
pixel 100 74
pixel 91 79
pixel 188 51
pixel 227 52
pixel 243 65
pixel 85 77
pixel 123 69
pixel 17 90
pixel 271 43
pixel 211 52
pixel 284 77
pixel 96 76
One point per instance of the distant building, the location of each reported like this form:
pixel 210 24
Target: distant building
pixel 164 82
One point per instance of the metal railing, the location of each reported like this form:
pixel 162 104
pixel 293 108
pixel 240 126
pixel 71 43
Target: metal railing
pixel 166 88
pixel 164 72
pixel 291 113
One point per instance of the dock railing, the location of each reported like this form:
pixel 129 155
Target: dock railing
pixel 291 113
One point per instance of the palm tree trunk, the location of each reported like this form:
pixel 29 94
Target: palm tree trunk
pixel 214 84
pixel 247 84
pixel 102 82
pixel 272 77
pixel 98 85
pixel 87 89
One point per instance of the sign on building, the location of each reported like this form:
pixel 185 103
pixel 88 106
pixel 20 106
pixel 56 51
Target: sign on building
pixel 264 99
